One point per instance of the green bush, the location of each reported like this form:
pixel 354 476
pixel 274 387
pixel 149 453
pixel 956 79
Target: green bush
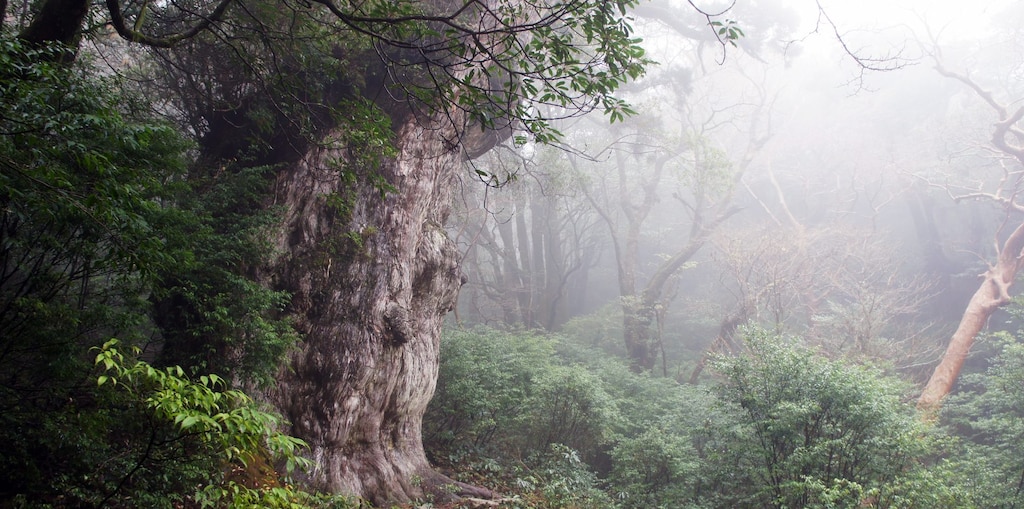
pixel 485 384
pixel 558 478
pixel 819 433
pixel 508 412
pixel 201 419
pixel 654 469
pixel 83 183
pixel 505 395
pixel 777 426
pixel 509 393
pixel 100 221
pixel 568 405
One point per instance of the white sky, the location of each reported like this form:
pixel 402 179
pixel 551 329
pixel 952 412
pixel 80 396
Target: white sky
pixel 956 18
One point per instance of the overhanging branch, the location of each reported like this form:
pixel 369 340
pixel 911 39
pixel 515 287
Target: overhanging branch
pixel 132 35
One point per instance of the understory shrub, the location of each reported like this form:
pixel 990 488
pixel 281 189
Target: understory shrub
pixel 817 432
pixel 105 234
pixel 777 426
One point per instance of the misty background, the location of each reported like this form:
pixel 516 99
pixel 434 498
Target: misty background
pixel 820 178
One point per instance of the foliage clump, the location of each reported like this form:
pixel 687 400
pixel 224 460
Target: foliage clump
pixel 102 236
pixel 776 426
pixel 815 432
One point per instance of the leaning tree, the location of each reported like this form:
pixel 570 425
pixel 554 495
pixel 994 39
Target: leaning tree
pixel 1007 154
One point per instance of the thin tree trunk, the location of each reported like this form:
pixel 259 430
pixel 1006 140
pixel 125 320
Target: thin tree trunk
pixel 527 264
pixel 558 271
pixel 541 268
pixel 513 291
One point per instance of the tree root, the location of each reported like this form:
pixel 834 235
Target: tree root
pixel 443 489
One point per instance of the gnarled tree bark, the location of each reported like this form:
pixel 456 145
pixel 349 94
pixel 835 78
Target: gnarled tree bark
pixel 369 295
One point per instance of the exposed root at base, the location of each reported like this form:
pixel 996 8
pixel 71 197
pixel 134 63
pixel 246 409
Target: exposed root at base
pixel 443 489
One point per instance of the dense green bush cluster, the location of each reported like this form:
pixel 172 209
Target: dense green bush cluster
pixel 817 433
pixel 504 395
pixel 776 427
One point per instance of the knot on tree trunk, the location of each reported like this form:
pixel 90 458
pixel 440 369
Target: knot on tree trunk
pixel 396 317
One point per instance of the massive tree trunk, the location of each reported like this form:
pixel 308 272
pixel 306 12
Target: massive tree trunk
pixel 369 295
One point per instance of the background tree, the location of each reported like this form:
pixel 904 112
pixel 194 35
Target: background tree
pixel 528 245
pixel 993 293
pixel 689 164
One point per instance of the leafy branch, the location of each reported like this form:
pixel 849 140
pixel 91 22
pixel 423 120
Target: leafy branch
pixel 224 418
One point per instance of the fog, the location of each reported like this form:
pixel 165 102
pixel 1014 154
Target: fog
pixel 818 175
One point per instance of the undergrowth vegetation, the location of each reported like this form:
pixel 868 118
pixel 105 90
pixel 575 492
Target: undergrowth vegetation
pixel 534 417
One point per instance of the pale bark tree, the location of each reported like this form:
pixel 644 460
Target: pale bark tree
pixel 994 290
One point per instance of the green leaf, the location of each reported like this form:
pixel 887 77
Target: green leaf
pixel 188 421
